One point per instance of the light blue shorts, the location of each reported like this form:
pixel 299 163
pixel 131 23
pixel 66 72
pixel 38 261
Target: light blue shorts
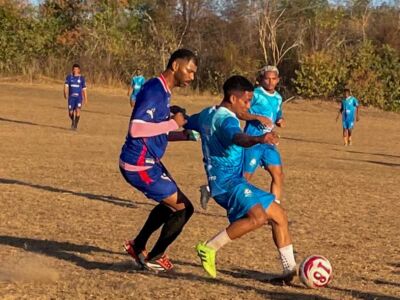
pixel 261 155
pixel 348 123
pixel 241 198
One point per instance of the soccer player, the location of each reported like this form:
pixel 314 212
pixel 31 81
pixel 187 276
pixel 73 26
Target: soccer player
pixel 348 108
pixel 141 167
pixel 266 102
pixel 137 82
pixel 248 207
pixel 75 90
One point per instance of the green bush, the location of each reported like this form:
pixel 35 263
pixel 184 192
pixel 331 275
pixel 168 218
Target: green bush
pixel 320 74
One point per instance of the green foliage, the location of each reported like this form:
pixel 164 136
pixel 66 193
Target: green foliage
pixel 320 74
pixel 346 43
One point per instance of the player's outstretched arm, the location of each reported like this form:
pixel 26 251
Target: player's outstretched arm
pixel 246 141
pixel 185 135
pixel 246 116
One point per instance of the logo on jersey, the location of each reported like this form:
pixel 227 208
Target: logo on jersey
pixel 165 177
pixel 253 162
pixel 247 192
pixel 150 112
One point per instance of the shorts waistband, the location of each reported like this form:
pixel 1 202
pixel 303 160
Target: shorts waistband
pixel 132 168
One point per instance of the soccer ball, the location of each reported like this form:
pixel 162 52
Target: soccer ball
pixel 315 271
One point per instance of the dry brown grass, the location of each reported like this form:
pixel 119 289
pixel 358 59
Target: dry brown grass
pixel 65 210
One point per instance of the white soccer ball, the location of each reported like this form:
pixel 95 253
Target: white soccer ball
pixel 316 271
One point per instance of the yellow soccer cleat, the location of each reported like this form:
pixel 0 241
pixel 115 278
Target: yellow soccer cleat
pixel 207 257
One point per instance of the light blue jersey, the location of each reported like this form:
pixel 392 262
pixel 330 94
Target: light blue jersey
pixel 270 106
pixel 223 161
pixel 348 109
pixel 136 83
pixel 264 104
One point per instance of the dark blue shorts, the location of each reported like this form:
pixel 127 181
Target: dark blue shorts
pixel 154 183
pixel 74 103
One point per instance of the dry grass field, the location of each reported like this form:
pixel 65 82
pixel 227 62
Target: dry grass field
pixel 65 210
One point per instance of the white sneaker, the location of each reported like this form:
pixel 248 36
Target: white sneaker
pixel 204 196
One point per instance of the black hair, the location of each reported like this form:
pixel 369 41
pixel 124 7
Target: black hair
pixel 236 83
pixel 183 54
pixel 75 66
pixel 346 90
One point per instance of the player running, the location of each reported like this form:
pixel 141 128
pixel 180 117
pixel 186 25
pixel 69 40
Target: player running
pixel 141 167
pixel 348 108
pixel 248 207
pixel 137 82
pixel 75 90
pixel 266 102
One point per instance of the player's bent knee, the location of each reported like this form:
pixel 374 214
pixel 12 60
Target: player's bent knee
pixel 259 220
pixel 277 214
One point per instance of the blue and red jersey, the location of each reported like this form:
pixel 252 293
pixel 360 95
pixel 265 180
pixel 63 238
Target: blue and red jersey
pixel 75 86
pixel 150 123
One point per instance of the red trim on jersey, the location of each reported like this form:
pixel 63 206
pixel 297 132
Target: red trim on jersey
pixel 164 83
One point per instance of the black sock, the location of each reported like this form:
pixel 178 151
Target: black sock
pixel 158 216
pixel 171 230
pixel 76 121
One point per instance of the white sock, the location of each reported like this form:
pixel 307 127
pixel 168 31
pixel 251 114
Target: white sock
pixel 277 201
pixel 218 241
pixel 287 258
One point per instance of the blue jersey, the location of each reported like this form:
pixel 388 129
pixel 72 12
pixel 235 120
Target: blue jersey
pixel 136 83
pixel 75 86
pixel 223 160
pixel 348 108
pixel 264 104
pixel 152 105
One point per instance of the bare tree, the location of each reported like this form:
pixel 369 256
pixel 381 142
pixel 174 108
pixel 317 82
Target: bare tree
pixel 270 20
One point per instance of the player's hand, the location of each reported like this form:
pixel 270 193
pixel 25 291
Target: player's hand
pixel 179 118
pixel 281 123
pixel 357 118
pixel 270 138
pixel 267 122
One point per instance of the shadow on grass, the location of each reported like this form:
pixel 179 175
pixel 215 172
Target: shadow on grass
pixel 31 123
pixel 387 164
pixel 62 250
pixel 90 196
pixel 104 198
pixel 307 141
pixel 369 153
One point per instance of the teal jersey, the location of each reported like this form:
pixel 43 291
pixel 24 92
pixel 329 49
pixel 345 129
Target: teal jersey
pixel 136 83
pixel 223 160
pixel 265 104
pixel 348 108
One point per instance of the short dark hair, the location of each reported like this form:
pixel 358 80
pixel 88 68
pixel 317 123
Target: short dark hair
pixel 75 66
pixel 236 83
pixel 183 54
pixel 347 90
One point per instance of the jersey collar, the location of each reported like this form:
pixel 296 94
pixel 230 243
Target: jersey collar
pixel 164 83
pixel 267 93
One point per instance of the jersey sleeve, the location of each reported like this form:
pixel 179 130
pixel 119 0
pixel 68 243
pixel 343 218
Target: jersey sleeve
pixel 255 105
pixel 67 80
pixel 341 106
pixel 146 106
pixel 227 131
pixel 355 102
pixel 193 123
